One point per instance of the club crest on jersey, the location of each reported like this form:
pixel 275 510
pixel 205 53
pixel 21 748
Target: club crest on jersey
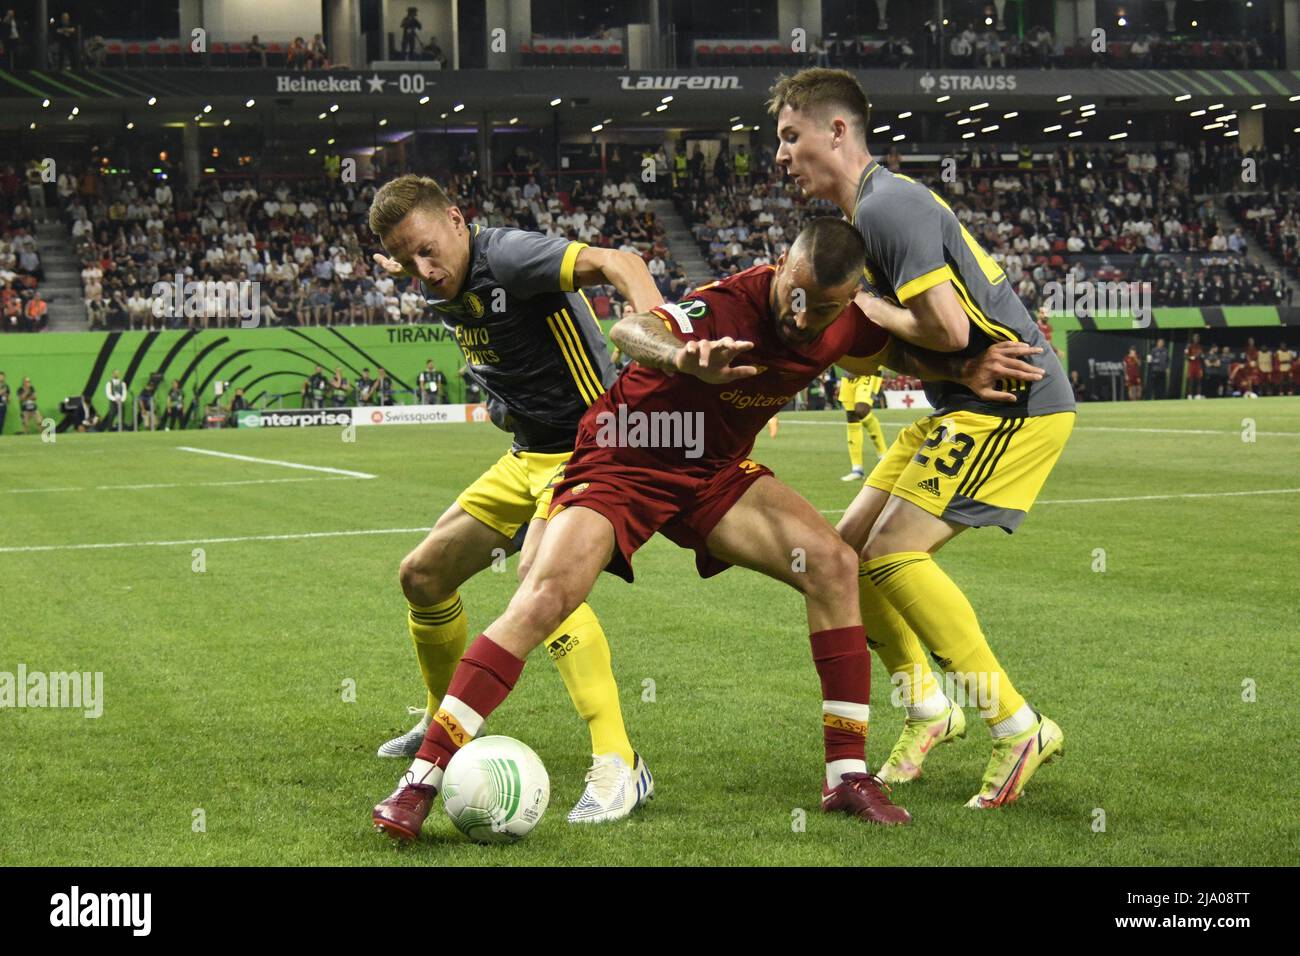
pixel 694 308
pixel 474 305
pixel 579 488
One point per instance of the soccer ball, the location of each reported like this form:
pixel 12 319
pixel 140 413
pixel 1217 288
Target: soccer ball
pixel 495 790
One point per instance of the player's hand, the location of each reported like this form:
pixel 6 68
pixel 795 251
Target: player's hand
pixel 391 266
pixel 1001 360
pixel 709 360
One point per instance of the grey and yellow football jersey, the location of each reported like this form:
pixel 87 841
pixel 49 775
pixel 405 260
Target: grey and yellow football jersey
pixel 914 242
pixel 529 337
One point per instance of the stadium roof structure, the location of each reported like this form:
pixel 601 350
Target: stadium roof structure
pixel 696 95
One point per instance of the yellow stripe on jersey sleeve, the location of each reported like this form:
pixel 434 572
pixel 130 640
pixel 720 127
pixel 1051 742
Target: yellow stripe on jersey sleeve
pixel 568 263
pixel 921 283
pixel 553 320
pixel 584 360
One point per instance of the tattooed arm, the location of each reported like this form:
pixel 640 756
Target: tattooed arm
pixel 645 338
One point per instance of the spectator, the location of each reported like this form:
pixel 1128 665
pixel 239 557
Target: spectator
pixel 175 414
pixel 96 52
pixel 257 51
pixel 365 386
pixel 37 313
pixel 4 401
pixel 317 55
pixel 338 389
pixel 431 384
pixel 115 392
pixel 237 404
pixel 411 28
pixel 313 389
pixel 65 36
pixel 144 404
pixel 298 56
pixel 28 407
pixel 383 388
pixel 10 39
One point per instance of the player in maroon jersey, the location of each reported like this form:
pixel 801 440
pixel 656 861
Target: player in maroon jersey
pixel 1195 366
pixel 665 450
pixel 1133 374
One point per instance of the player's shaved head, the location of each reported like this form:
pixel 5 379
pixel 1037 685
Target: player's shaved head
pixel 823 93
pixel 834 250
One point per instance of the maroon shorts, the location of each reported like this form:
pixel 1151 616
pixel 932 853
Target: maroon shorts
pixel 639 500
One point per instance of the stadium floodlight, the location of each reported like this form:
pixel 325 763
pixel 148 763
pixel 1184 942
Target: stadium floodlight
pixel 967 135
pixel 556 101
pixel 334 107
pixel 1232 132
pixel 45 104
pixel 737 127
pixel 881 129
pixel 1088 114
pixel 598 127
pixel 1208 126
pixel 322 115
pixel 1217 106
pixel 225 122
pixel 130 125
pixel 424 99
pixel 661 107
pixel 458 107
pixel 1182 96
pixel 1052 129
pixel 442 116
pixel 1090 106
pixel 1290 100
pixel 755 127
pixel 33 126
pixel 207 107
pixel 514 120
pixel 734 119
pixel 330 141
pixel 991 129
pixel 943 99
pixel 384 121
pixel 609 119
pixel 1118 136
pixel 153 101
pixel 312 151
pixel 1296 130
pixel 978 106
pixel 76 110
pixel 250 103
pixel 1259 106
pixel 1226 117
pixel 906 114
pixel 964 120
pixel 667 99
pixel 1197 113
pixel 1074 133
pixel 1195 24
pixel 1065 97
pixel 900 136
pixel 1012 115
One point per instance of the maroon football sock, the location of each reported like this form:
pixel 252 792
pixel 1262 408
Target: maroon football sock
pixel 844 666
pixel 486 674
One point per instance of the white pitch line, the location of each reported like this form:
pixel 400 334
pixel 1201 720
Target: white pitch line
pixel 230 540
pixel 272 461
pixel 176 484
pixel 1097 501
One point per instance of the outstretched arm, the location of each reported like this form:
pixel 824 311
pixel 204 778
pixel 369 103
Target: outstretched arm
pixel 625 271
pixel 646 339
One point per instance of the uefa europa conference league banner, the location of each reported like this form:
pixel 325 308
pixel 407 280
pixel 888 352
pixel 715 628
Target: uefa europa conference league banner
pixel 368 415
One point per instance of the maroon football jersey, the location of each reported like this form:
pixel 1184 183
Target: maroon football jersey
pixel 717 424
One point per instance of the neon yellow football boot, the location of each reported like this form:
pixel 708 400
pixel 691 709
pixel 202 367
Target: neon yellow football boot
pixel 919 737
pixel 1014 761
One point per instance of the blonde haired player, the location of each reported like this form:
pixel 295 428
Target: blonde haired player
pixel 858 395
pixel 970 464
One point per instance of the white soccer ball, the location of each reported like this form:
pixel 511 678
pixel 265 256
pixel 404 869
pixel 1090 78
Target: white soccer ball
pixel 495 790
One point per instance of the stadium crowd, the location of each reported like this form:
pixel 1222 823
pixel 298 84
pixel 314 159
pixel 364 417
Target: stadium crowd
pixel 22 307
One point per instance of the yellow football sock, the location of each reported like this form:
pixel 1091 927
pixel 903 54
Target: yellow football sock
pixel 440 632
pixel 894 640
pixel 855 445
pixel 581 652
pixel 872 424
pixel 944 620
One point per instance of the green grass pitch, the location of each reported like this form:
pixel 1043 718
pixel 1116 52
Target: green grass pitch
pixel 224 690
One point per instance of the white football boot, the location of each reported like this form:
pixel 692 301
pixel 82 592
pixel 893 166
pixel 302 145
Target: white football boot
pixel 408 743
pixel 613 790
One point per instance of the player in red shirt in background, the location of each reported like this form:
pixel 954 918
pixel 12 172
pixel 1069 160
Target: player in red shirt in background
pixel 1133 374
pixel 1043 320
pixel 1267 371
pixel 665 449
pixel 1195 366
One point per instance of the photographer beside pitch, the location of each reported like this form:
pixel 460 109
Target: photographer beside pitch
pixel 972 463
pixel 513 300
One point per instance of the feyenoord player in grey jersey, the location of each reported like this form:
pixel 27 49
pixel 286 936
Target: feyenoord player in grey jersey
pixel 970 464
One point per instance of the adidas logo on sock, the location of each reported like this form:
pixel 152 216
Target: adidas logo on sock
pixel 931 485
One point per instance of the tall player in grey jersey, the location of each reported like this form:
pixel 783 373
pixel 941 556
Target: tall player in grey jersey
pixel 969 464
pixel 513 299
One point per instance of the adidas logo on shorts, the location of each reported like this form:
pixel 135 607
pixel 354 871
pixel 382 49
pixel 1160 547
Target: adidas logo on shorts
pixel 931 485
